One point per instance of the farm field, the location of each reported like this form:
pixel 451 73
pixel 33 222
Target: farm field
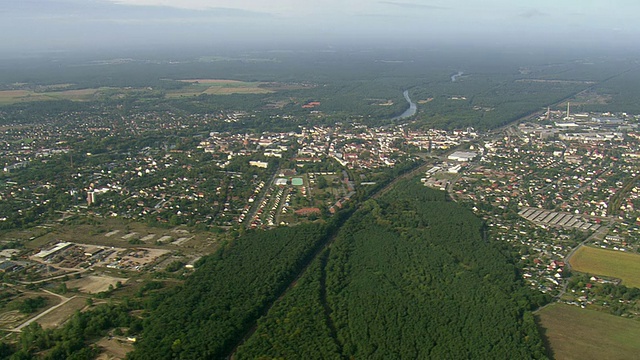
pixel 575 333
pixel 621 265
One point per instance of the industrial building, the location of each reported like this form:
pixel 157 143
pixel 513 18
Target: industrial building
pixel 44 254
pixel 462 156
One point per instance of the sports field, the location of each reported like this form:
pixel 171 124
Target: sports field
pixel 617 264
pixel 575 333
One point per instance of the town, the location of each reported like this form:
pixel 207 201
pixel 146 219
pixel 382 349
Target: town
pixel 95 215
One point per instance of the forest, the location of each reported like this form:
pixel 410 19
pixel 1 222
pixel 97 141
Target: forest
pixel 407 275
pixel 207 316
pixel 410 275
pixel 350 85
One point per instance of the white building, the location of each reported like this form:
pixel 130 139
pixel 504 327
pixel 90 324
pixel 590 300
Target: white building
pixel 260 164
pixel 462 156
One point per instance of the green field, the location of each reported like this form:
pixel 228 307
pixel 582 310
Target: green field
pixel 195 87
pixel 16 96
pixel 617 264
pixel 575 333
pixel 218 87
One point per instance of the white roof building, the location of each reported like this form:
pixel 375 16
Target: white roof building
pixel 462 156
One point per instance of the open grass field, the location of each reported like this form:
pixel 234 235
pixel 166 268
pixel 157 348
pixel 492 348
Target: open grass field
pixel 94 284
pixel 617 264
pixel 575 333
pixel 218 87
pixel 214 81
pixel 56 318
pixel 16 96
pixel 196 87
pixel 113 348
pixel 10 315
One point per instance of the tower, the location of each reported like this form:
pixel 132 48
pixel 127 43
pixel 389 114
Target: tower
pixel 568 110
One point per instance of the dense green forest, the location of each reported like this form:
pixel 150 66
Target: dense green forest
pixel 297 326
pixel 350 84
pixel 207 316
pixel 409 276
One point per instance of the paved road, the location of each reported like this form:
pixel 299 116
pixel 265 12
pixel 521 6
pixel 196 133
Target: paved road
pixel 256 204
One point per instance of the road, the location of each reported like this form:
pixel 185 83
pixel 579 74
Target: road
pixel 53 308
pixel 597 235
pixel 256 204
pixel 75 272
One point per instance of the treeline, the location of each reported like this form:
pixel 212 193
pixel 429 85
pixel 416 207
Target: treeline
pixel 409 276
pixel 207 316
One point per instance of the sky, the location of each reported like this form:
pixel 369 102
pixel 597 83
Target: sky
pixel 62 25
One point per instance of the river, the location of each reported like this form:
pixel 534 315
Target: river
pixel 413 108
pixel 454 77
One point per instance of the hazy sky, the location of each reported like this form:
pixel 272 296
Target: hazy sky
pixel 67 24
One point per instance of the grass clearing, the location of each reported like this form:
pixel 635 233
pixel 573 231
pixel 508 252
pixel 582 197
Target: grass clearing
pixel 214 81
pixel 56 318
pixel 226 90
pixel 11 316
pixel 14 96
pixel 113 348
pixel 219 87
pixel 196 87
pixel 611 263
pixel 575 333
pixel 95 284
